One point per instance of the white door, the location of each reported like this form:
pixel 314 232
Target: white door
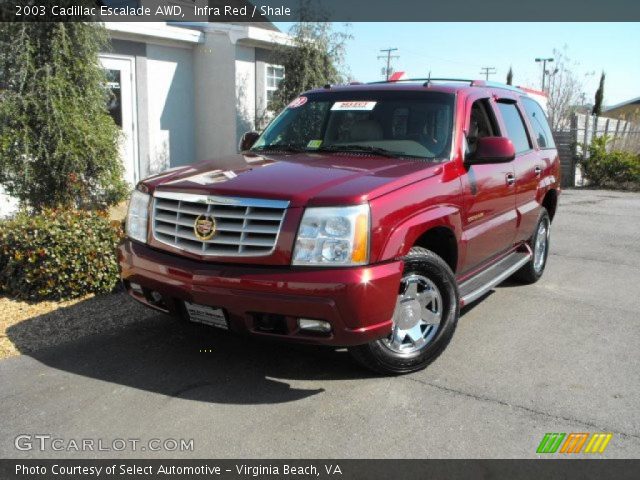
pixel 122 108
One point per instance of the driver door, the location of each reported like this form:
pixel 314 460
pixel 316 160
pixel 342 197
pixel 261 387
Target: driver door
pixel 489 220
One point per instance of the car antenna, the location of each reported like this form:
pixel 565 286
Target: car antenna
pixel 426 84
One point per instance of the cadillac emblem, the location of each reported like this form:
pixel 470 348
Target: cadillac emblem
pixel 204 227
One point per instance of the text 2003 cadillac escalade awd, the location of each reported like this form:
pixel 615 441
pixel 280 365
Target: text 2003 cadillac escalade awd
pixel 363 216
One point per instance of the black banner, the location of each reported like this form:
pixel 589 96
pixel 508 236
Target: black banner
pixel 323 469
pixel 321 10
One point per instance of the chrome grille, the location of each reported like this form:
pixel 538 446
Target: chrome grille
pixel 244 226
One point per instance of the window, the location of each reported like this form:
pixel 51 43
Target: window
pixel 516 130
pixel 114 99
pixel 481 124
pixel 409 124
pixel 539 123
pixel 274 75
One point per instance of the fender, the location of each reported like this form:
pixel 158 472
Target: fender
pixel 550 178
pixel 405 234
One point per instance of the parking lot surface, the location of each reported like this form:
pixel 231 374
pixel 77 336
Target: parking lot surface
pixel 558 356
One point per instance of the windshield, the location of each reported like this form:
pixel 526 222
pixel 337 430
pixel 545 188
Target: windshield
pixel 392 123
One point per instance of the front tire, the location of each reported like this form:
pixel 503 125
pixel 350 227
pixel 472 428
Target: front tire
pixel 424 319
pixel 539 243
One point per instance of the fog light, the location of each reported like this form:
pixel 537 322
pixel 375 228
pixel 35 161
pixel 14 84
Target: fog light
pixel 156 296
pixel 314 325
pixel 137 288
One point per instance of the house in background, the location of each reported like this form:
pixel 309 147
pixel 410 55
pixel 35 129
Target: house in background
pixel 629 110
pixel 187 92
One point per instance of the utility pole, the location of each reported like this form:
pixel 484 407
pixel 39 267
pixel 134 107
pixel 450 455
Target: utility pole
pixel 486 71
pixel 544 68
pixel 388 56
pixel 551 76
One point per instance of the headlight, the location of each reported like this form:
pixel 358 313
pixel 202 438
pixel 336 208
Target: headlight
pixel 333 236
pixel 137 216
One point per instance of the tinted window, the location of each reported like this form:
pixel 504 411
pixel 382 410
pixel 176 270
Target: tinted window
pixel 539 123
pixel 516 130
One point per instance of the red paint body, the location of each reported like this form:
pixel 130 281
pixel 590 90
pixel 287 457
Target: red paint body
pixel 485 215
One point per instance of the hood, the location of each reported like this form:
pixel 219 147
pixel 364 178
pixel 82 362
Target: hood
pixel 303 179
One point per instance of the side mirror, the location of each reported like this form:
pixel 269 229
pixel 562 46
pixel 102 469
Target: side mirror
pixel 247 140
pixel 492 150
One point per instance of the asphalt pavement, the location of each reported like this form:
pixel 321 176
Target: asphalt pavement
pixel 562 355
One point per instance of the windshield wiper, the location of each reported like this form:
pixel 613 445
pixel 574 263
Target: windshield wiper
pixel 278 148
pixel 358 148
pixel 365 148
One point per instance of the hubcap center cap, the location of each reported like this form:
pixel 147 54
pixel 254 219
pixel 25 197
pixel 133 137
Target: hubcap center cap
pixel 410 314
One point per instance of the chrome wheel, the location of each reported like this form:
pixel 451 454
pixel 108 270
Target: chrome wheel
pixel 417 315
pixel 540 246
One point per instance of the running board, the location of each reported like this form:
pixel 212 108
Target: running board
pixel 476 286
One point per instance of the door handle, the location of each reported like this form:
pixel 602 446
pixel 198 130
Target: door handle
pixel 511 178
pixel 537 170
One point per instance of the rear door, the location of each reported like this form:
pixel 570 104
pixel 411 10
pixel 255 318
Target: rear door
pixel 514 127
pixel 489 223
pixel 533 172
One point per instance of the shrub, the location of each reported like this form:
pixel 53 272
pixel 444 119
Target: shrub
pixel 611 169
pixel 58 144
pixel 58 254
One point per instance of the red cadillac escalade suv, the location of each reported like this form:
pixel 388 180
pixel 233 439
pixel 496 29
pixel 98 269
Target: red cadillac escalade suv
pixel 363 216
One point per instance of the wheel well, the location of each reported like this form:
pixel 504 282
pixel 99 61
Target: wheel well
pixel 442 242
pixel 550 202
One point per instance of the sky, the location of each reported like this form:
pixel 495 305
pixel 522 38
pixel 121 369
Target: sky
pixel 460 50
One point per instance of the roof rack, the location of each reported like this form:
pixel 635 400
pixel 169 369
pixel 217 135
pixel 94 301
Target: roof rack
pixel 503 86
pixel 428 80
pixel 472 83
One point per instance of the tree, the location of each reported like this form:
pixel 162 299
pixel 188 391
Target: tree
pixel 566 91
pixel 314 58
pixel 58 144
pixel 510 76
pixel 597 106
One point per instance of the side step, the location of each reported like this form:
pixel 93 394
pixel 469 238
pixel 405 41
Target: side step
pixel 478 285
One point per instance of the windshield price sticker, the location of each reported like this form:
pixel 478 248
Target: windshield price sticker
pixel 354 105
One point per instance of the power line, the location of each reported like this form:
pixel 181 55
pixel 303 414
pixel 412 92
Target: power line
pixel 388 56
pixel 486 71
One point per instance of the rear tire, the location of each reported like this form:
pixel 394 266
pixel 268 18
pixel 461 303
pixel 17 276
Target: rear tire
pixel 425 318
pixel 539 243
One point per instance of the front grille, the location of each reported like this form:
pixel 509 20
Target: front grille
pixel 243 226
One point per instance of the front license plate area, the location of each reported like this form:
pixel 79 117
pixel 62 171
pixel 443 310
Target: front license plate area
pixel 212 316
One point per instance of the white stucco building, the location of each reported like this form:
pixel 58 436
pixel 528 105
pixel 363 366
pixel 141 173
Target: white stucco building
pixel 187 92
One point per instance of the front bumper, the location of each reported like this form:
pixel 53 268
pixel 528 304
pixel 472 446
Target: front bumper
pixel 358 302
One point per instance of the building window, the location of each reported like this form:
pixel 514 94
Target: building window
pixel 275 74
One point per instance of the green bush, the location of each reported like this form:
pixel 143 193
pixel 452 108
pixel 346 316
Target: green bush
pixel 611 169
pixel 58 254
pixel 58 145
